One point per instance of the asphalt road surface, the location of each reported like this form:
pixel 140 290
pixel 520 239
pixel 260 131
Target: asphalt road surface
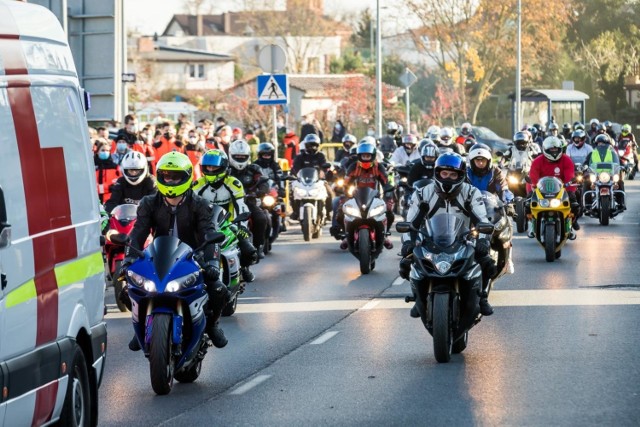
pixel 315 343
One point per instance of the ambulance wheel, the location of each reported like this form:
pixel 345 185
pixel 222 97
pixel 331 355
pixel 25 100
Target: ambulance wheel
pixel 76 410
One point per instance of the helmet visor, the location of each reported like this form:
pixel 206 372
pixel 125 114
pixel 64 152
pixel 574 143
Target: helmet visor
pixel 211 170
pixel 172 177
pixel 133 173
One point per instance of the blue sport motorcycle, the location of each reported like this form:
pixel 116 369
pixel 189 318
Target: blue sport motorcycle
pixel 168 300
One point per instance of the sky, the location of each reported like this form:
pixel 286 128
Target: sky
pixel 148 17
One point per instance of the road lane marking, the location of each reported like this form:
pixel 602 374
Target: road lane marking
pixel 324 338
pixel 249 385
pixel 251 298
pixel 399 281
pixel 370 305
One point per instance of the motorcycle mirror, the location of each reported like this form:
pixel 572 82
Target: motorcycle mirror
pixel 485 227
pixel 403 227
pixel 499 154
pixel 242 217
pixel 326 166
pixel 120 238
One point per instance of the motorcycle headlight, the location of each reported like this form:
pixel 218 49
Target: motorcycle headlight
pixel 314 192
pixel 268 201
pixel 554 203
pixel 579 178
pixel 110 233
pixel 403 179
pixel 513 180
pixel 351 190
pixel 340 183
pixel 182 282
pixel 604 177
pixel 300 192
pixel 351 211
pixel 592 177
pixel 141 281
pixel 378 210
pixel 621 152
pixel 443 266
pixel 616 178
pixel 544 203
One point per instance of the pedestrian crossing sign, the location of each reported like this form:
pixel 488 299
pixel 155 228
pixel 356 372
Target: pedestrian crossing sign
pixel 273 89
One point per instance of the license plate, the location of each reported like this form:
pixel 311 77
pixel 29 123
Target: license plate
pixel 604 191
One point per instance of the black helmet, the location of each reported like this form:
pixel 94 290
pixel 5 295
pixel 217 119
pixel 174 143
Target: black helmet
pixel 521 141
pixel 603 138
pixel 578 125
pixel 578 137
pixel 607 124
pixel 266 148
pixel 600 129
pixel 566 127
pixel 452 162
pixel 429 154
pixel 311 143
pixel 423 142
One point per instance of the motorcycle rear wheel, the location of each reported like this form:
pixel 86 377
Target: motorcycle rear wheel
pixel 189 375
pixel 521 217
pixel 364 251
pixel 550 242
pixel 442 344
pixel 605 210
pixel 307 224
pixel 160 357
pixel 117 287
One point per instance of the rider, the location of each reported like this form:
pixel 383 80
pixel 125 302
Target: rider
pixel 268 165
pixel 449 193
pixel 446 142
pixel 627 137
pixel 523 150
pixel 388 142
pixel 566 131
pixel 218 187
pixel 604 153
pixel 406 152
pixel 485 177
pixel 554 163
pixel 578 150
pixel 465 133
pixel 368 172
pixel 175 210
pixel 593 129
pixel 135 183
pixel 608 128
pixel 348 141
pixel 310 157
pixel 424 167
pixel 255 185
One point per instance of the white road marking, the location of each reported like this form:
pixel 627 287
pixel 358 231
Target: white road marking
pixel 399 281
pixel 251 298
pixel 324 338
pixel 249 385
pixel 370 305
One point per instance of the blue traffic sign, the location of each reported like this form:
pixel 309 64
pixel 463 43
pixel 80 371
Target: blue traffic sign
pixel 273 89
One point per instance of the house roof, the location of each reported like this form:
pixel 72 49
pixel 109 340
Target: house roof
pixel 174 54
pixel 240 23
pixel 552 95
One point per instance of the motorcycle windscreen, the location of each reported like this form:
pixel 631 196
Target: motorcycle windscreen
pixel 549 186
pixel 422 183
pixel 165 251
pixel 445 228
pixel 308 175
pixel 364 196
pixel 125 213
pixel 493 205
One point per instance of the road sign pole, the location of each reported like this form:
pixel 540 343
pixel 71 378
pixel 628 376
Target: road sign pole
pixel 275 132
pixel 408 131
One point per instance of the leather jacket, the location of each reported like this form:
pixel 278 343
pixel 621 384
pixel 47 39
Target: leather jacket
pixel 123 192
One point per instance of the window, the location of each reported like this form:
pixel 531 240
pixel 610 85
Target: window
pixel 196 71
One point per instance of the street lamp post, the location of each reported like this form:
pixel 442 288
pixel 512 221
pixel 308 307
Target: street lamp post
pixel 378 71
pixel 518 115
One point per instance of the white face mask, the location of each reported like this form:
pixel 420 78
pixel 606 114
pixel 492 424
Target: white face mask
pixel 371 132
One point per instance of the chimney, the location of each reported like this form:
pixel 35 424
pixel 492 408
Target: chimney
pixel 226 23
pixel 145 44
pixel 199 29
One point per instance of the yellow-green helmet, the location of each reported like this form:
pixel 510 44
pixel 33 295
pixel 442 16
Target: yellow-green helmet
pixel 174 173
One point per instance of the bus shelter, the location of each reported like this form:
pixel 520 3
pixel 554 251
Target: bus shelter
pixel 546 105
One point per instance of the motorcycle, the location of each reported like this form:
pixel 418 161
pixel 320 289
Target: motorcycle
pixel 600 202
pixel 401 201
pixel 501 246
pixel 365 222
pixel 517 181
pixel 310 192
pixel 230 273
pixel 121 221
pixel 168 297
pixel 627 158
pixel 552 217
pixel 446 280
pixel 272 203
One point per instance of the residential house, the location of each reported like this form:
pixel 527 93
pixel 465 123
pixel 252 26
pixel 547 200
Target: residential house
pixel 412 47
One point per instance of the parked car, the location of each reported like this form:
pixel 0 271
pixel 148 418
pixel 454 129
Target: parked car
pixel 490 138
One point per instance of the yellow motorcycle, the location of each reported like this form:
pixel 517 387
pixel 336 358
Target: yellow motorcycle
pixel 552 217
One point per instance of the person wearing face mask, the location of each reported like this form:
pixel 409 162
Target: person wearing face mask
pixel 339 131
pixel 122 148
pixel 129 132
pixel 107 171
pixel 167 141
pixel 194 150
pixel 348 141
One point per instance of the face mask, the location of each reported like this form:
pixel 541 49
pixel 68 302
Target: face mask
pixel 121 147
pixel 338 127
pixel 103 155
pixel 167 135
pixel 371 132
pixel 133 128
pixel 193 140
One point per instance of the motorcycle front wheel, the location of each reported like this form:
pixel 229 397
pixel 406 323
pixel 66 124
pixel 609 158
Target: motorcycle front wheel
pixel 307 224
pixel 442 328
pixel 117 287
pixel 550 242
pixel 364 251
pixel 605 210
pixel 160 357
pixel 521 217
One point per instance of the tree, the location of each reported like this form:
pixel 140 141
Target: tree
pixel 474 43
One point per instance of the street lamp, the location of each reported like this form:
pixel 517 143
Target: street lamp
pixel 518 118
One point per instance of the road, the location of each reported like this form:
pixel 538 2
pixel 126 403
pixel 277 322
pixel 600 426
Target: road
pixel 315 343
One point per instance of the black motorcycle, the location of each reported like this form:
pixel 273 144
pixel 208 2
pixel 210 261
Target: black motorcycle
pixel 446 280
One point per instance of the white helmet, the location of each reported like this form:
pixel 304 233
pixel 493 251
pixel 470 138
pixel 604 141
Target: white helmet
pixel 552 148
pixel 368 140
pixel 134 167
pixel 446 136
pixel 392 127
pixel 433 133
pixel 239 154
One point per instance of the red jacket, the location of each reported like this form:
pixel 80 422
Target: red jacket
pixel 541 167
pixel 366 177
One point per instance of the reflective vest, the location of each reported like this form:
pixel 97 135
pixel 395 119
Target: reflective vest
pixel 595 159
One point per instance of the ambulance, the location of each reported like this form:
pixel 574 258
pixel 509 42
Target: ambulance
pixel 53 337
